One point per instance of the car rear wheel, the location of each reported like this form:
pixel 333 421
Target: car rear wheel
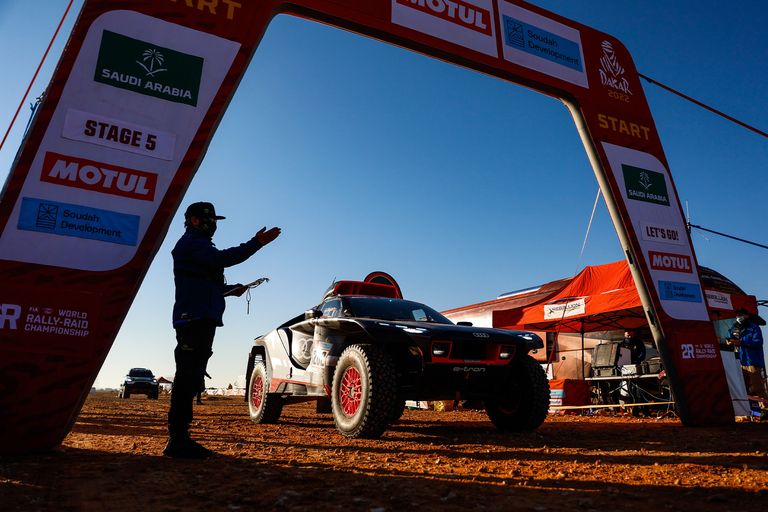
pixel 363 392
pixel 524 404
pixel 264 407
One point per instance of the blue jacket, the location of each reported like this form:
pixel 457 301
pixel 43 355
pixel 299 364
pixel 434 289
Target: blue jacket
pixel 198 272
pixel 751 345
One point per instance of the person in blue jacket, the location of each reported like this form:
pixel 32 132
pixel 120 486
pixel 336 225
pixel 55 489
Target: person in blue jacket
pixel 198 273
pixel 747 336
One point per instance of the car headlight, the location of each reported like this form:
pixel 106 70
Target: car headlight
pixel 506 352
pixel 441 348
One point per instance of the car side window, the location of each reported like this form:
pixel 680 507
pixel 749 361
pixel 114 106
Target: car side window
pixel 419 315
pixel 331 308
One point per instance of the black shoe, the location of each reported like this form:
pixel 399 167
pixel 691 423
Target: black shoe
pixel 185 448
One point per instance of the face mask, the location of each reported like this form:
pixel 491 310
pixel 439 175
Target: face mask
pixel 208 226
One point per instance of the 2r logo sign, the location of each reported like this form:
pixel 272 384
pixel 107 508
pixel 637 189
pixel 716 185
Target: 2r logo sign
pixel 687 350
pixel 9 313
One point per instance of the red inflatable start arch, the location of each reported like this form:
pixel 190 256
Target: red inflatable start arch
pixel 136 98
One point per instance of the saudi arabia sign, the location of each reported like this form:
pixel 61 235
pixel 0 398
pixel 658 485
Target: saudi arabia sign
pixel 148 69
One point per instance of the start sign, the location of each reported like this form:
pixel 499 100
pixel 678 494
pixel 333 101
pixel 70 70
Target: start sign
pixel 135 100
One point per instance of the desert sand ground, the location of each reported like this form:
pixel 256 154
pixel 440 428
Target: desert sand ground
pixel 111 461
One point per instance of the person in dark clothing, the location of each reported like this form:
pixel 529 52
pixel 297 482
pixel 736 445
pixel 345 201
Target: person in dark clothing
pixel 198 272
pixel 635 345
pixel 747 336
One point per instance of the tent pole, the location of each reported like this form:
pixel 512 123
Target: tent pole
pixel 582 350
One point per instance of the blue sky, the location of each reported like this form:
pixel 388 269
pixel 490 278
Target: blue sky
pixel 462 186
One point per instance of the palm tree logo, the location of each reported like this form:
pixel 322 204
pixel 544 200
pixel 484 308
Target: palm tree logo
pixel 154 59
pixel 645 180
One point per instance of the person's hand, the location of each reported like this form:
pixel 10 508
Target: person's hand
pixel 265 236
pixel 238 289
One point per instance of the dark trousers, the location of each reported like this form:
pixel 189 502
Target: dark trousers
pixel 193 348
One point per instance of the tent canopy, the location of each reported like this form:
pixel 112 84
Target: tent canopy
pixel 514 300
pixel 604 297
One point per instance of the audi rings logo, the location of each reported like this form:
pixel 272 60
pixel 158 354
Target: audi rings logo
pixel 481 335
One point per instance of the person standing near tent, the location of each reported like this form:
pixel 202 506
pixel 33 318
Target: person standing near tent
pixel 198 273
pixel 747 336
pixel 635 345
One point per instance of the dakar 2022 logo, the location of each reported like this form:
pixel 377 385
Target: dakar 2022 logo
pixel 611 72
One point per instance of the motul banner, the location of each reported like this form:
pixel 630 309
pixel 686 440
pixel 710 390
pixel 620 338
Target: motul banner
pixel 134 103
pixel 125 122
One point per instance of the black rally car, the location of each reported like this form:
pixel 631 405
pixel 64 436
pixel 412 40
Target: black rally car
pixel 367 350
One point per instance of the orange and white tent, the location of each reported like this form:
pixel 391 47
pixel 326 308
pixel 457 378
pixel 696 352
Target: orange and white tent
pixel 604 297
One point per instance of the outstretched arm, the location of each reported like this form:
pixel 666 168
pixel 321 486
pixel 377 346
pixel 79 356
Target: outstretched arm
pixel 235 255
pixel 264 236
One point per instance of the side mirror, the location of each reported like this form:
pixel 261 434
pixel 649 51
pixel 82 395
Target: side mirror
pixel 312 313
pixel 465 324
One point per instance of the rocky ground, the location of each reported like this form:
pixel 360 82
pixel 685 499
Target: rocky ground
pixel 428 460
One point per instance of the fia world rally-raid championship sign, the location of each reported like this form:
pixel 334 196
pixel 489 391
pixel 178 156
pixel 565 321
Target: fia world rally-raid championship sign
pixel 134 103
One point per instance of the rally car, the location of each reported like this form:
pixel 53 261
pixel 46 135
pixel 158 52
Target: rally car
pixel 366 350
pixel 139 381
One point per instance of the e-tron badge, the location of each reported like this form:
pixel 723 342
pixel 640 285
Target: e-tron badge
pixel 467 369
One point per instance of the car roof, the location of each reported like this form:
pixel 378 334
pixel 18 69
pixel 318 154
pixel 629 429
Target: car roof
pixel 142 370
pixel 343 288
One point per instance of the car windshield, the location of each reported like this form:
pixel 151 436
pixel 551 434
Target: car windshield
pixel 140 372
pixel 392 309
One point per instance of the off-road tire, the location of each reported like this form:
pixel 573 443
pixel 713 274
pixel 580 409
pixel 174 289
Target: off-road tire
pixel 398 408
pixel 363 392
pixel 126 394
pixel 524 404
pixel 153 396
pixel 264 407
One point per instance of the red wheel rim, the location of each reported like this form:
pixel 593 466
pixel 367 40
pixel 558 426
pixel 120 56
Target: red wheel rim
pixel 257 391
pixel 351 391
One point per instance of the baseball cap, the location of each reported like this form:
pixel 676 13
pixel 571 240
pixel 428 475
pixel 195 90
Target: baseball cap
pixel 202 210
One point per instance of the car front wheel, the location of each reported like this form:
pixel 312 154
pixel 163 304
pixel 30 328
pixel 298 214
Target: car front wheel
pixel 264 407
pixel 524 404
pixel 363 392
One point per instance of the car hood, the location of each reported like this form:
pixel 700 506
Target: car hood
pixel 427 330
pixel 435 330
